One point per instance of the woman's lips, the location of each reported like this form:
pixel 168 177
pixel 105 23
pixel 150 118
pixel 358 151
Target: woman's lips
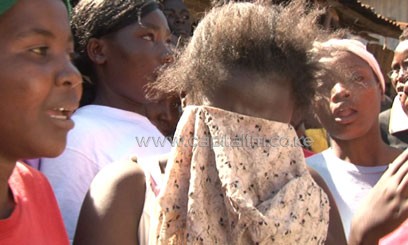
pixel 60 113
pixel 344 115
pixel 61 116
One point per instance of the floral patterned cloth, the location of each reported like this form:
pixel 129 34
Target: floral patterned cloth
pixel 235 179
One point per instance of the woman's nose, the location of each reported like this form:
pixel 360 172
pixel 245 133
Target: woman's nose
pixel 402 76
pixel 167 55
pixel 340 92
pixel 69 76
pixel 179 20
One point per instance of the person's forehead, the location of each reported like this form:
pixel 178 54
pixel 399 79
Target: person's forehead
pixel 402 47
pixel 6 5
pixel 27 17
pixel 174 4
pixel 157 21
pixel 353 61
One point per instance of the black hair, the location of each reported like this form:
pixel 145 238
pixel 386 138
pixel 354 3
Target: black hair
pixel 97 18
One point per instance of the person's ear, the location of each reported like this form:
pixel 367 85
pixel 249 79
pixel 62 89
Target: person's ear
pixel 96 49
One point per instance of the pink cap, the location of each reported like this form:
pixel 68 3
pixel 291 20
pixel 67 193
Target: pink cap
pixel 359 49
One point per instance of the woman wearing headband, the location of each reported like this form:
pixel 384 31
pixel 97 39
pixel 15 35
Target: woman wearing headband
pixel 39 90
pixel 350 92
pixel 382 217
pixel 120 46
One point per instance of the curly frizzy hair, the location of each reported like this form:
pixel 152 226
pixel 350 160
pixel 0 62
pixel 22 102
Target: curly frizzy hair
pixel 258 38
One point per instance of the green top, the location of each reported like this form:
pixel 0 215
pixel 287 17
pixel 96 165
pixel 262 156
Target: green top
pixel 7 4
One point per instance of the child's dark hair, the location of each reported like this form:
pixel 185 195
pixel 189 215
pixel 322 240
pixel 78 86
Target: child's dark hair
pixel 258 38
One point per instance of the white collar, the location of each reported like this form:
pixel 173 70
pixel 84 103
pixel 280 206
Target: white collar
pixel 398 118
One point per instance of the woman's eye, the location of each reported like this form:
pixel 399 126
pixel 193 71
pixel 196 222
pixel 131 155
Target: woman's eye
pixel 395 69
pixel 185 17
pixel 355 77
pixel 169 15
pixel 41 51
pixel 176 105
pixel 170 42
pixel 404 64
pixel 358 78
pixel 148 37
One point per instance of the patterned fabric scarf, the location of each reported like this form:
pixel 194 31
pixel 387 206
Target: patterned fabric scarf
pixel 235 179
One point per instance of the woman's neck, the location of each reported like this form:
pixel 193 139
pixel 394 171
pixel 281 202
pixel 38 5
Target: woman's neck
pixel 365 151
pixel 120 103
pixel 6 196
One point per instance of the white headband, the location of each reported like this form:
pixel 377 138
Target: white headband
pixel 359 49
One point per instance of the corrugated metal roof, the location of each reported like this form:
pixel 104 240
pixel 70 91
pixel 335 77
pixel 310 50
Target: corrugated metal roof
pixel 369 12
pixel 356 15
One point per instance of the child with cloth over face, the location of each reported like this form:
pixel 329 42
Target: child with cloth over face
pixel 244 71
pixel 39 90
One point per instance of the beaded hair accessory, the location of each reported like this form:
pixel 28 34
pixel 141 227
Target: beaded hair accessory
pixel 145 8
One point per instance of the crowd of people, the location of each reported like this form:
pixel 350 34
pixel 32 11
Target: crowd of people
pixel 124 122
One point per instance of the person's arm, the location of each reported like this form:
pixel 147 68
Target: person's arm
pixel 335 233
pixel 113 206
pixel 385 207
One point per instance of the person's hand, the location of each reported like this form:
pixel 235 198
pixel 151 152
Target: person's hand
pixel 385 207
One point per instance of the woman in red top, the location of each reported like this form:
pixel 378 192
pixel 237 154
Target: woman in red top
pixel 38 93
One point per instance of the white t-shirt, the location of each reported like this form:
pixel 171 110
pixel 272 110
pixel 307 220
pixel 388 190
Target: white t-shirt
pixel 398 118
pixel 151 169
pixel 348 183
pixel 102 135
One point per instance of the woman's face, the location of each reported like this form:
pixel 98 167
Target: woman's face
pixel 165 114
pixel 39 86
pixel 178 17
pixel 134 53
pixel 350 98
pixel 399 75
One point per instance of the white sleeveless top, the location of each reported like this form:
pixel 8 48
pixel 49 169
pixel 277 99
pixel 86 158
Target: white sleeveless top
pixel 151 169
